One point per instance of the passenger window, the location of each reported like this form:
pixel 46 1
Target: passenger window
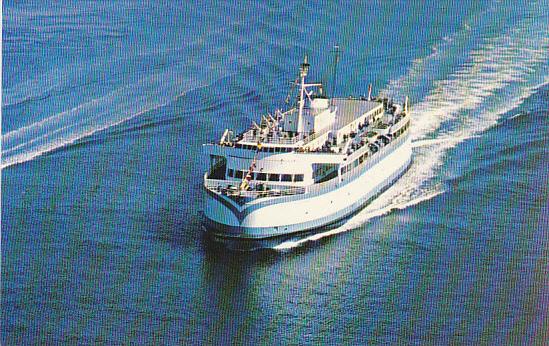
pixel 231 172
pixel 298 177
pixel 274 177
pixel 261 176
pixel 239 174
pixel 286 177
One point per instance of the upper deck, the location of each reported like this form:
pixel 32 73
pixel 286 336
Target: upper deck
pixel 341 117
pixel 350 109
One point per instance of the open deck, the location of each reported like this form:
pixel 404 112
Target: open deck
pixel 347 111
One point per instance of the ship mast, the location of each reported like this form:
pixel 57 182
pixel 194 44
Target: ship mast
pixel 303 71
pixel 334 73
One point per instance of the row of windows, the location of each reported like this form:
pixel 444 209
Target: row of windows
pixel 355 163
pixel 266 176
pixel 374 116
pixel 401 130
pixel 363 157
pixel 264 148
pixel 379 111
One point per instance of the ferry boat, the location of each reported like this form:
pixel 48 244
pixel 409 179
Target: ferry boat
pixel 307 168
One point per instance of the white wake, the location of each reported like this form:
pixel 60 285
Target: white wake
pixel 495 79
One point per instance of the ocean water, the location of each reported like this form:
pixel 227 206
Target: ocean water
pixel 104 110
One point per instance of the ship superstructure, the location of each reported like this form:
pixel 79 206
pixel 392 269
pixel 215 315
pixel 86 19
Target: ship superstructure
pixel 305 168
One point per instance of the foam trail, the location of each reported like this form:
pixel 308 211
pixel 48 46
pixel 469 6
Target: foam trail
pixel 57 131
pixel 367 214
pixel 108 91
pixel 17 159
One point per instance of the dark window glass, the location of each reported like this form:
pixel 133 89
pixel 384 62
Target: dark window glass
pixel 231 172
pixel 239 174
pixel 286 177
pixel 274 177
pixel 261 176
pixel 298 177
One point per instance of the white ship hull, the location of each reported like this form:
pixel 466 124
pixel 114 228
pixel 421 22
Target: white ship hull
pixel 280 216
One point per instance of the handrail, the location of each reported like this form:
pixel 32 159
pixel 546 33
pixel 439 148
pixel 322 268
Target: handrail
pixel 224 187
pixel 251 138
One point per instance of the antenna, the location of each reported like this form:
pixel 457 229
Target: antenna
pixel 334 73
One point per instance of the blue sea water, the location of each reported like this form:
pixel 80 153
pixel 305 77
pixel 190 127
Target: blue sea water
pixel 105 106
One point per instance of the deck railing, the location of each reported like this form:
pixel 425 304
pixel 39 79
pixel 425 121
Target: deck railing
pixel 225 187
pixel 275 139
